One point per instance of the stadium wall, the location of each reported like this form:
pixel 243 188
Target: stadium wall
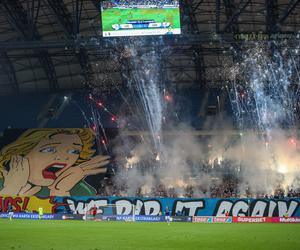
pixel 156 206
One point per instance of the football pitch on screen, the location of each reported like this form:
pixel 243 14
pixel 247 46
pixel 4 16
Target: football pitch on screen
pixel 117 16
pixel 95 235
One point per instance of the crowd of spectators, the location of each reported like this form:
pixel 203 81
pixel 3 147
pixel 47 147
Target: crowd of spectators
pixel 211 179
pixel 227 187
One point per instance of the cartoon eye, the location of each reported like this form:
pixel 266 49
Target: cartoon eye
pixel 74 151
pixel 48 150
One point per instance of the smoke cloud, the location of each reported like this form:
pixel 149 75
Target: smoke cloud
pixel 257 153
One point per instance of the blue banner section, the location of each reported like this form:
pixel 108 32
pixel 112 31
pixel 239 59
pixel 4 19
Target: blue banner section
pixel 32 216
pixel 179 207
pixel 181 219
pixel 143 218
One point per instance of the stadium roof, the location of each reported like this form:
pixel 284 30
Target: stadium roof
pixel 56 45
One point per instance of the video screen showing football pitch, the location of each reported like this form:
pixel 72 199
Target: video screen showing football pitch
pixel 140 18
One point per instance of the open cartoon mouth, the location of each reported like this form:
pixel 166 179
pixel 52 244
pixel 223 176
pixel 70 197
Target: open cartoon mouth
pixel 50 171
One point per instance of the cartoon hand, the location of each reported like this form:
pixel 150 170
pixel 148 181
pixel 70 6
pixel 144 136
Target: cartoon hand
pixel 29 190
pixel 70 177
pixel 17 176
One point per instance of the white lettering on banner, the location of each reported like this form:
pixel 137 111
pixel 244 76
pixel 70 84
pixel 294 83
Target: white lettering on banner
pixel 282 208
pixel 99 204
pixel 152 207
pixel 272 206
pixel 81 207
pixel 138 207
pixel 123 207
pixel 240 208
pixel 236 208
pixel 191 206
pixel 76 209
pixel 259 209
pixel 224 207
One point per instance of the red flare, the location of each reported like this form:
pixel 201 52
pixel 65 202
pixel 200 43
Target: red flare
pixel 168 98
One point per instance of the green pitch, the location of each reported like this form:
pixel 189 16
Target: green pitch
pixel 117 16
pixel 91 235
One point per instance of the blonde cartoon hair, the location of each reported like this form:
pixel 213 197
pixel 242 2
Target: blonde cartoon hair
pixel 31 137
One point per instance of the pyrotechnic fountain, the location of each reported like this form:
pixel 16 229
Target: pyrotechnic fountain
pixel 145 82
pixel 265 97
pixel 266 90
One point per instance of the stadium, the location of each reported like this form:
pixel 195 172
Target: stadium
pixel 155 124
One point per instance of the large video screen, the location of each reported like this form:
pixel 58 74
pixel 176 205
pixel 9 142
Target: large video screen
pixel 140 17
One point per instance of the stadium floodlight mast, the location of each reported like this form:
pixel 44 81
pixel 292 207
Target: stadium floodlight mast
pixel 111 210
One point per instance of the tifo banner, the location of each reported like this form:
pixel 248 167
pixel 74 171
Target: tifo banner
pixel 57 165
pixel 50 162
pixel 187 207
pixel 24 204
pixel 156 206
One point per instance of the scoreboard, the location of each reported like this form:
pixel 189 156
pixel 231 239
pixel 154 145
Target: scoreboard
pixel 135 18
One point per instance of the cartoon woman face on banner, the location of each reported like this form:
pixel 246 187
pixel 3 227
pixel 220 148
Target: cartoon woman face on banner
pixel 50 162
